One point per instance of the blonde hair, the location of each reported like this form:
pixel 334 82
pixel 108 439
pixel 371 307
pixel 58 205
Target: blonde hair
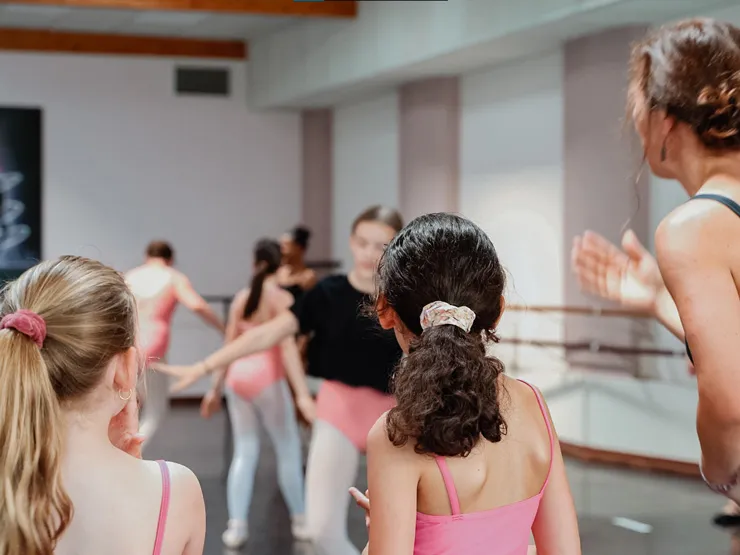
pixel 90 317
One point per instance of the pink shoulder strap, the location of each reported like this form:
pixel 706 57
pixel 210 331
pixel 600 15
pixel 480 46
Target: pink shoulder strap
pixel 163 507
pixel 449 485
pixel 550 434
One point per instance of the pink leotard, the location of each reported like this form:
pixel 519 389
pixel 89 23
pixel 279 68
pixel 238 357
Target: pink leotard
pixel 164 507
pixel 155 305
pixel 155 333
pixel 501 531
pixel 251 375
pixel 351 410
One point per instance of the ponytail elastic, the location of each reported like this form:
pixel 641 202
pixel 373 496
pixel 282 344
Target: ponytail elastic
pixel 28 323
pixel 440 313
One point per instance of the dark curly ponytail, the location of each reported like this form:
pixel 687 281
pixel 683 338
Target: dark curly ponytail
pixel 447 389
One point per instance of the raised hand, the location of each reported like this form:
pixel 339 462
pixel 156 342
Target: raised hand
pixel 123 429
pixel 363 501
pixel 629 276
pixel 210 404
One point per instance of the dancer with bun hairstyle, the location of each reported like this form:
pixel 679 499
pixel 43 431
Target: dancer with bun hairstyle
pixel 257 391
pixel 353 355
pixel 468 460
pixel 294 276
pixel 68 373
pixel 685 103
pixel 158 289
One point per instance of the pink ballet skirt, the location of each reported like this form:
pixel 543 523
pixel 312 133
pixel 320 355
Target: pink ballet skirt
pixel 352 410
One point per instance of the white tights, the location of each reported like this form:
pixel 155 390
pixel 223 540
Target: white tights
pixel 156 396
pixel 332 468
pixel 274 407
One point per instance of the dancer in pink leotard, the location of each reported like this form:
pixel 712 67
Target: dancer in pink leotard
pixel 257 391
pixel 355 358
pixel 68 372
pixel 467 462
pixel 158 289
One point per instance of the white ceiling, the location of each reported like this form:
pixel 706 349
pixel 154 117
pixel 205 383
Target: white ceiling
pixel 191 24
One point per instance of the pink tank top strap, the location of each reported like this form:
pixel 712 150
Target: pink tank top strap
pixel 163 507
pixel 550 434
pixel 449 485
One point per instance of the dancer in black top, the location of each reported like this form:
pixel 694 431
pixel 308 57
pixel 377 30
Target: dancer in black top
pixel 356 359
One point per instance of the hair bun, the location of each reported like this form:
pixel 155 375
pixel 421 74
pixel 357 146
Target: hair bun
pixel 301 232
pixel 721 124
pixel 301 235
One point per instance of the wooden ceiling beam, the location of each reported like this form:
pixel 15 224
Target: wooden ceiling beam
pixel 29 40
pixel 289 8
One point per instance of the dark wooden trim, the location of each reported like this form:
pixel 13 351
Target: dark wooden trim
pixel 185 401
pixel 288 8
pixel 629 460
pixel 31 40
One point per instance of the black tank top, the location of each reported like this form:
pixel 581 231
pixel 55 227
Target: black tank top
pixel 732 205
pixel 295 290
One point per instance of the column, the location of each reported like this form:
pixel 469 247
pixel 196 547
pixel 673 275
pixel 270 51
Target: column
pixel 316 129
pixel 429 142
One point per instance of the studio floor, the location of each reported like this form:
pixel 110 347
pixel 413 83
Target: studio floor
pixel 621 512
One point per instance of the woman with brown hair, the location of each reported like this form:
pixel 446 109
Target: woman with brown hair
pixel 685 102
pixel 354 357
pixel 68 372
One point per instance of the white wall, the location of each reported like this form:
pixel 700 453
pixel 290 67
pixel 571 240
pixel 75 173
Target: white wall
pixel 623 414
pixel 511 184
pixel 126 161
pixel 366 168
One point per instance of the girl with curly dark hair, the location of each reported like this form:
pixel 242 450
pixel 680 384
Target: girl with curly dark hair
pixel 467 461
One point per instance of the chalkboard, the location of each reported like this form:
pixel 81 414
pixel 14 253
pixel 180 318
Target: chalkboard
pixel 21 175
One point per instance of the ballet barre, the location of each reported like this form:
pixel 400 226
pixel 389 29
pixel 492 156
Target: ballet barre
pixel 585 346
pixel 579 310
pixel 594 347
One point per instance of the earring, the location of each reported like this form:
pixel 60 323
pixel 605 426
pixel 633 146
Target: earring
pixel 120 394
pixel 663 153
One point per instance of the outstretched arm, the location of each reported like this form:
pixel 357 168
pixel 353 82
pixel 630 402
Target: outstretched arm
pixel 252 341
pixel 189 297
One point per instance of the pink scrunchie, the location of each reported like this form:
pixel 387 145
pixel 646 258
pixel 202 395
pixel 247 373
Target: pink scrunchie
pixel 28 323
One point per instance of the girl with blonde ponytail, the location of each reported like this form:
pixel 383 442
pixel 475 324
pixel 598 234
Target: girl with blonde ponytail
pixel 68 373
